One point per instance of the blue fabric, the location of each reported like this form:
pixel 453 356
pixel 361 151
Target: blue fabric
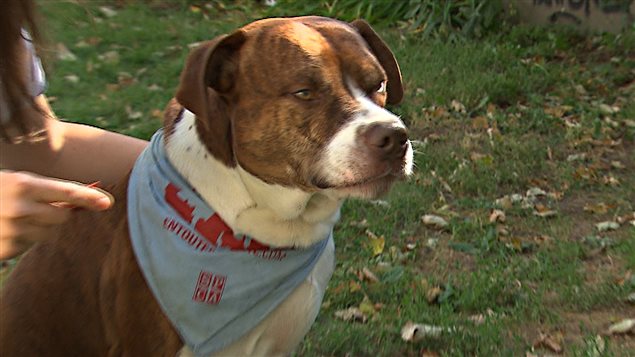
pixel 212 294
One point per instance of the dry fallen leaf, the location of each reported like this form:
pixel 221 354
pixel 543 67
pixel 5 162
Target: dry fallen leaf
pixel 376 243
pixel 480 122
pixel 354 286
pixel 64 54
pixel 367 307
pixel 412 332
pixel 497 216
pixel 72 78
pixel 505 202
pixel 607 226
pixel 624 326
pixel 110 57
pixel 361 224
pixel 107 11
pixel 544 211
pixel 428 353
pixel 457 106
pixel 577 157
pixel 535 192
pixel 433 221
pixel 351 314
pixel 610 180
pixel 433 294
pixel 617 165
pixel 369 275
pixel 597 208
pixel 550 342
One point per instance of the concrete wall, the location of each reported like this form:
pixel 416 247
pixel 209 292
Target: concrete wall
pixel 600 15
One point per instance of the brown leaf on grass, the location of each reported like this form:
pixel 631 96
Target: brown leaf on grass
pixel 543 211
pixel 626 278
pixel 133 114
pixel 497 216
pixel 428 353
pixel 607 226
pixel 558 111
pixel 433 221
pixel 617 165
pixel 354 286
pixel 626 218
pixel 87 42
pixel 610 180
pixel 125 79
pixel 432 295
pixel 457 106
pixel 597 208
pixel 553 343
pixel 505 202
pixel 481 158
pixel 480 123
pixel 73 78
pixel 585 173
pixel 607 109
pixel 361 224
pixel 577 157
pixel 107 11
pixel 64 54
pixel 368 275
pixel 536 192
pixel 542 239
pixel 110 57
pixel 157 113
pixel 622 327
pixel 352 314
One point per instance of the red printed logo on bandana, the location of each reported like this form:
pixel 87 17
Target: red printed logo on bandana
pixel 209 288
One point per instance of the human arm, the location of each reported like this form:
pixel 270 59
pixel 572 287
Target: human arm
pixel 74 152
pixel 30 203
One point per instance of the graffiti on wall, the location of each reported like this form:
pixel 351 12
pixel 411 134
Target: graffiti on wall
pixel 610 15
pixel 571 9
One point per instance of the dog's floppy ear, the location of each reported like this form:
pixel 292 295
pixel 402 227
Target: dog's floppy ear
pixel 209 74
pixel 385 58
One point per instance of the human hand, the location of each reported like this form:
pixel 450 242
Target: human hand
pixel 30 205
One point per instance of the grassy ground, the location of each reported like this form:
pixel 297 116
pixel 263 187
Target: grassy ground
pixel 524 110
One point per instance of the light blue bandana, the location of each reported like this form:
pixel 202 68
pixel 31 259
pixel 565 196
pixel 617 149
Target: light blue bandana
pixel 214 286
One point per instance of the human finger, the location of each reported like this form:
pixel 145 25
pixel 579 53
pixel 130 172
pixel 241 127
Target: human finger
pixel 47 190
pixel 43 214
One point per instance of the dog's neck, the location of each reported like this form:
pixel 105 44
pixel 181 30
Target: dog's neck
pixel 274 215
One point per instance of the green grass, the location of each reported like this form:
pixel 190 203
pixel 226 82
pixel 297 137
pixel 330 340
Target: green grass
pixel 513 84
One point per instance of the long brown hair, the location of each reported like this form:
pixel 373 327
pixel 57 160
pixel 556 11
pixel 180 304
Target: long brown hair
pixel 20 118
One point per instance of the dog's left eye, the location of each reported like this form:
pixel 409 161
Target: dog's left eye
pixel 303 94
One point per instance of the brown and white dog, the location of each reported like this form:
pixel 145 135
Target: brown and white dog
pixel 273 125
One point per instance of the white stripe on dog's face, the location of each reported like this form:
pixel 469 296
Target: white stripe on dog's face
pixel 346 165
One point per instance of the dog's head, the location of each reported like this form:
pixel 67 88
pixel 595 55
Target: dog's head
pixel 299 102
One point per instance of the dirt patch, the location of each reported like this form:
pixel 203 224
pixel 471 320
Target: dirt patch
pixel 441 261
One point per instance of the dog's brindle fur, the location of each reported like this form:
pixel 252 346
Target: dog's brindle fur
pixel 288 115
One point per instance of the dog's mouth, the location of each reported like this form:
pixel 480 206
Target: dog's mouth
pixel 367 187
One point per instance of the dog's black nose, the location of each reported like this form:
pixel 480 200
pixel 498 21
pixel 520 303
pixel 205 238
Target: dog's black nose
pixel 387 141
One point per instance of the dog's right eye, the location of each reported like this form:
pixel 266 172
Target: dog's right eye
pixel 303 94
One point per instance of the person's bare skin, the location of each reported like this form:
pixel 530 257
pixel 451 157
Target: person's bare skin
pixel 45 178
